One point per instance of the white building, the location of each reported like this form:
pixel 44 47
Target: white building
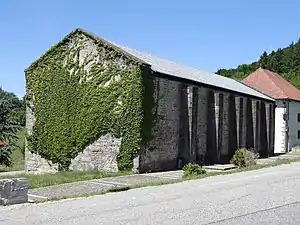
pixel 287 111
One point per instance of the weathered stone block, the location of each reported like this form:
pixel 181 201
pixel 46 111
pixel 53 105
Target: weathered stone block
pixel 13 191
pixel 100 155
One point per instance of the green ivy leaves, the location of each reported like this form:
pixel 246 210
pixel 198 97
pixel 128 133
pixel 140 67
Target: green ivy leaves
pixel 73 109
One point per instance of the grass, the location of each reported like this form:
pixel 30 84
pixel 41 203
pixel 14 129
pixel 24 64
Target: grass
pixel 44 180
pixel 50 179
pixel 173 181
pixel 17 155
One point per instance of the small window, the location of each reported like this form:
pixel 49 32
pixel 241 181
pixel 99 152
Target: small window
pixel 298 117
pixel 298 134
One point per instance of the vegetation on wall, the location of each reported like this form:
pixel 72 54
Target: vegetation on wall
pixel 75 102
pixel 285 62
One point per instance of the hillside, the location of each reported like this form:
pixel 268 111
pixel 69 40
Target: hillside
pixel 285 62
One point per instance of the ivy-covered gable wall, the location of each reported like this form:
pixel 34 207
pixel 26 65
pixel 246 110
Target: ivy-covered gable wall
pixel 85 106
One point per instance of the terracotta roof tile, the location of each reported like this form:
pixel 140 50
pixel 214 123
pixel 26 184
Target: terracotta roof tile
pixel 272 84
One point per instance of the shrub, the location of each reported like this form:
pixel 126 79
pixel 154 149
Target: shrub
pixel 192 169
pixel 243 158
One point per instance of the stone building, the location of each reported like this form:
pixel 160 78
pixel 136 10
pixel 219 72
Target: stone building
pixel 199 116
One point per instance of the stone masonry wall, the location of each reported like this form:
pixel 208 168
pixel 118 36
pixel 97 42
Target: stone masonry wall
pixel 100 155
pixel 34 163
pixel 162 151
pixel 198 124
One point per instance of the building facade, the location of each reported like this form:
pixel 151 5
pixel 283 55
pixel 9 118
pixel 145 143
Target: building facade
pixel 287 110
pixel 187 115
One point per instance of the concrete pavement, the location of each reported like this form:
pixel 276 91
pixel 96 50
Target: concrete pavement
pixel 266 196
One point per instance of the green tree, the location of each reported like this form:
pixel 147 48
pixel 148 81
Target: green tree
pixel 284 61
pixel 296 58
pixel 8 132
pixel 17 110
pixel 263 61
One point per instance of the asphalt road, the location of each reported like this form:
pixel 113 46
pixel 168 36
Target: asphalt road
pixel 268 196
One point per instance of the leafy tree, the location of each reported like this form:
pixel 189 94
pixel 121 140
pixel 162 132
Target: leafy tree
pixel 284 61
pixel 296 57
pixel 263 61
pixel 17 110
pixel 8 130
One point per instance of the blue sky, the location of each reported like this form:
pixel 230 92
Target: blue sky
pixel 207 34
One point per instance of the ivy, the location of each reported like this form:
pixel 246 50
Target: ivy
pixel 74 106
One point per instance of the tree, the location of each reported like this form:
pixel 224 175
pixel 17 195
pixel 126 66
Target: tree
pixel 263 61
pixel 17 106
pixel 284 61
pixel 8 132
pixel 296 57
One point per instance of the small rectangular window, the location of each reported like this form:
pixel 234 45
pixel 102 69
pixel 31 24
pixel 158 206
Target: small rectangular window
pixel 298 117
pixel 298 134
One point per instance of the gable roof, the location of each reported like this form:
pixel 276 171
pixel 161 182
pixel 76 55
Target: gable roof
pixel 1 143
pixel 171 68
pixel 178 70
pixel 272 84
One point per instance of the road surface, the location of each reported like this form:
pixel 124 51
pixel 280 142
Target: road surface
pixel 268 196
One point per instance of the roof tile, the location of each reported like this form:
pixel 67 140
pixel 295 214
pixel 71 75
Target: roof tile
pixel 272 84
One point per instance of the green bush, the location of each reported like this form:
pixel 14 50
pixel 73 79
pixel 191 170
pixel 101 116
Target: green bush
pixel 193 169
pixel 244 158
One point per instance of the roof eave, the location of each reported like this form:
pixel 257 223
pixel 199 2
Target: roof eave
pixel 289 99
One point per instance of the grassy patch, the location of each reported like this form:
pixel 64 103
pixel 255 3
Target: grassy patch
pixel 173 181
pixel 17 155
pixel 44 180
